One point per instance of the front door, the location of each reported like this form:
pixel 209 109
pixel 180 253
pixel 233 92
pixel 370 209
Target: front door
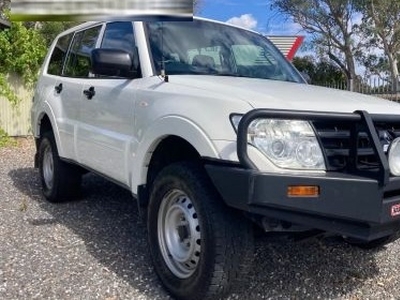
pixel 107 113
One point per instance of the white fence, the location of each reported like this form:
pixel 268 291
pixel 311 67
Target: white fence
pixel 15 119
pixel 378 87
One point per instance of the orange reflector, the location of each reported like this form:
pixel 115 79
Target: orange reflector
pixel 303 191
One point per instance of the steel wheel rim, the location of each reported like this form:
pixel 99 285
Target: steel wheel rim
pixel 179 234
pixel 48 167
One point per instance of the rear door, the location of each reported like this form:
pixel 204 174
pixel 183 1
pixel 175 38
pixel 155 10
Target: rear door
pixel 63 99
pixel 70 86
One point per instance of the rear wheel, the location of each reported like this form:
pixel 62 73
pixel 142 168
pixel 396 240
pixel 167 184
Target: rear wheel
pixel 201 249
pixel 60 181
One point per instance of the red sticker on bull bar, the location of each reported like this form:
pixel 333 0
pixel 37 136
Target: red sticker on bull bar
pixel 395 210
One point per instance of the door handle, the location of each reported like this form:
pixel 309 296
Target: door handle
pixel 90 92
pixel 58 88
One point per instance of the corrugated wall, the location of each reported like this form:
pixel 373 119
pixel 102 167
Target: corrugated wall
pixel 15 119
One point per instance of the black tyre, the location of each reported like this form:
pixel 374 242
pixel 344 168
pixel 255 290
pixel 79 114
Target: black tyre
pixel 60 181
pixel 201 249
pixel 371 244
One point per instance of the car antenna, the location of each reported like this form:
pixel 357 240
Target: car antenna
pixel 163 72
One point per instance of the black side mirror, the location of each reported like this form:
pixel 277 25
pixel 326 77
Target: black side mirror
pixel 113 62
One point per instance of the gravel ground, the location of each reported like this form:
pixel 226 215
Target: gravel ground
pixel 96 248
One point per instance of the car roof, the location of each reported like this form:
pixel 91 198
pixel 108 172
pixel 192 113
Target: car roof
pixel 132 19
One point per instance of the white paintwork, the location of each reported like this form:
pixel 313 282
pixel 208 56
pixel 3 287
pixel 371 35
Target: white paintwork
pixel 260 93
pixel 116 132
pixel 145 63
pixel 105 127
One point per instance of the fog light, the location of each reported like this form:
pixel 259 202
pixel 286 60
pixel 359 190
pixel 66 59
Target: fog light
pixel 303 191
pixel 394 157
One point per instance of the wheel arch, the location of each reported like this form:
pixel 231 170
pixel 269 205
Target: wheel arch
pixel 170 149
pixel 170 140
pixel 46 122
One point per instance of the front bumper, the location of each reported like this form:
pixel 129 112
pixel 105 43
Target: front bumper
pixel 354 202
pixel 347 205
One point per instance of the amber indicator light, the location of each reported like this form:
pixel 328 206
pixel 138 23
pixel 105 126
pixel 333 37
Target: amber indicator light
pixel 303 191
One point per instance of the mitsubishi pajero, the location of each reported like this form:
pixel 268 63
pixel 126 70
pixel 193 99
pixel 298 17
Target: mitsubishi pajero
pixel 213 131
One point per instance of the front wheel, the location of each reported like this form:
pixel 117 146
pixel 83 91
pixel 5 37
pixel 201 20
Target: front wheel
pixel 200 248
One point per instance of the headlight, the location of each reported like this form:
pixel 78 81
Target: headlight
pixel 288 144
pixel 394 157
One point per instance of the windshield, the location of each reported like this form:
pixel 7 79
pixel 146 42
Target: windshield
pixel 202 47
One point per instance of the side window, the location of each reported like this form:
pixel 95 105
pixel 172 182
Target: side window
pixel 58 56
pixel 78 62
pixel 119 35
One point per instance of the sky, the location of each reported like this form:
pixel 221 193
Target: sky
pixel 253 14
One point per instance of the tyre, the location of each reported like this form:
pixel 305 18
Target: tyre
pixel 371 244
pixel 201 249
pixel 60 181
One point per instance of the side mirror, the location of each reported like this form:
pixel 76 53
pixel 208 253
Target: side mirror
pixel 112 62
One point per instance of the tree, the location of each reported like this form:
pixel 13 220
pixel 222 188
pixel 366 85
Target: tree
pixel 321 72
pixel 4 5
pixel 49 30
pixel 22 51
pixel 381 29
pixel 330 23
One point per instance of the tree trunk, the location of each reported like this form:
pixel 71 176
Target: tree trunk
pixel 351 67
pixel 394 72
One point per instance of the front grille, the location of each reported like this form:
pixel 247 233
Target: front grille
pixel 336 139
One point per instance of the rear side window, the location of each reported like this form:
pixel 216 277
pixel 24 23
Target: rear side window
pixel 59 54
pixel 78 61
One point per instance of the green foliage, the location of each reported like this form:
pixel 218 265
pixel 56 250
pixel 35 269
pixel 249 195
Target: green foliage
pixel 6 90
pixel 49 30
pixel 5 140
pixel 380 29
pixel 346 31
pixel 321 72
pixel 4 6
pixel 22 51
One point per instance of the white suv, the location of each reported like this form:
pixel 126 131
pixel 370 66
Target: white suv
pixel 210 128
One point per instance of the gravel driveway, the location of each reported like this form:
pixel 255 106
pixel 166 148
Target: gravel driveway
pixel 96 248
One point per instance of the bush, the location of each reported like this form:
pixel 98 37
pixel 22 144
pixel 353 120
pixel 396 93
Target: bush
pixel 22 51
pixel 5 140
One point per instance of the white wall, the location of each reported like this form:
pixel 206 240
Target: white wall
pixel 15 119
